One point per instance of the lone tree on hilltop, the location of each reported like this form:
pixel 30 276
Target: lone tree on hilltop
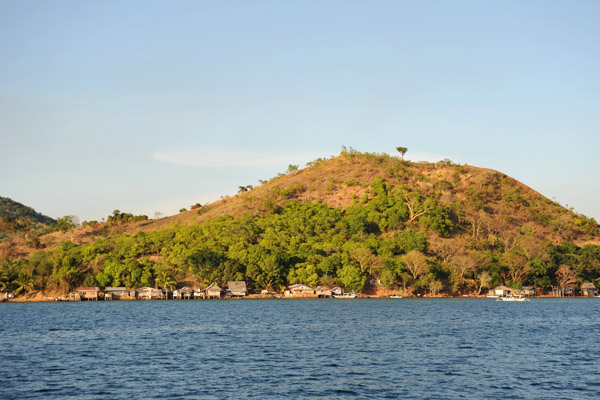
pixel 402 151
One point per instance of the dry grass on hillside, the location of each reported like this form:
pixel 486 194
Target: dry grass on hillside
pixel 507 204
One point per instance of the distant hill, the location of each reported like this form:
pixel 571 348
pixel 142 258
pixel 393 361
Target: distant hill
pixel 482 203
pixel 368 222
pixel 13 210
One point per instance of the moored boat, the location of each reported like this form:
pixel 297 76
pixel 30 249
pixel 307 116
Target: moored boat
pixel 395 297
pixel 345 296
pixel 511 298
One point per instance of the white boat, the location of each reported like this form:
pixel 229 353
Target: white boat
pixel 395 297
pixel 344 296
pixel 492 296
pixel 511 298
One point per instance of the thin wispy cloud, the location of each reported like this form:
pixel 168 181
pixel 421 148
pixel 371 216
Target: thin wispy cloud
pixel 218 158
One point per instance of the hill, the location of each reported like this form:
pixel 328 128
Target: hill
pixel 17 220
pixel 369 222
pixel 482 201
pixel 10 209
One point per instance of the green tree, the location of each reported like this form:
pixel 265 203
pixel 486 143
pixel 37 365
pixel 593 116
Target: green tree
pixel 437 219
pixel 408 240
pixel 389 276
pixel 24 282
pixel 89 280
pixel 5 279
pixel 206 265
pixel 352 278
pixel 402 151
pixel 67 268
pixel 306 274
pixel 243 189
pixel 103 279
pixel 164 280
pixel 368 262
pixel 357 219
pixel 540 273
pixel 67 224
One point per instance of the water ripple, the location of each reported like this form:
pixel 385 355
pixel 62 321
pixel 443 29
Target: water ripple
pixel 371 349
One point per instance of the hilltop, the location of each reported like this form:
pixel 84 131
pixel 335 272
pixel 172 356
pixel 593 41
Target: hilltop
pixel 12 210
pixel 482 200
pixel 17 220
pixel 366 221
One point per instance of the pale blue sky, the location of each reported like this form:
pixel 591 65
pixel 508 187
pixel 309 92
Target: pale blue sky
pixel 148 106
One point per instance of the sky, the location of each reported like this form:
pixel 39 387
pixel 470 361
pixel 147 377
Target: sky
pixel 152 106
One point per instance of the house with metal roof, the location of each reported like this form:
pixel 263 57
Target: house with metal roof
pixel 89 293
pixel 323 292
pixel 214 291
pixel 116 293
pixel 502 291
pixel 183 293
pixel 237 288
pixel 149 293
pixel 300 290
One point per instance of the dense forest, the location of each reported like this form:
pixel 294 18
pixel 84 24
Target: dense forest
pixel 363 221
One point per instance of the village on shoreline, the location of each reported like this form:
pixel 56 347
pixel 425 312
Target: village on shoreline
pixel 239 290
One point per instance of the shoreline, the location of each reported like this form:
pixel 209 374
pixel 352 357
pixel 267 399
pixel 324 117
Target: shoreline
pixel 271 297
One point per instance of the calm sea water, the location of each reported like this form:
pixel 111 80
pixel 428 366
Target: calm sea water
pixel 273 349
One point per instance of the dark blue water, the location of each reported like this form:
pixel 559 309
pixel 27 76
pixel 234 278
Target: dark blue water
pixel 273 349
